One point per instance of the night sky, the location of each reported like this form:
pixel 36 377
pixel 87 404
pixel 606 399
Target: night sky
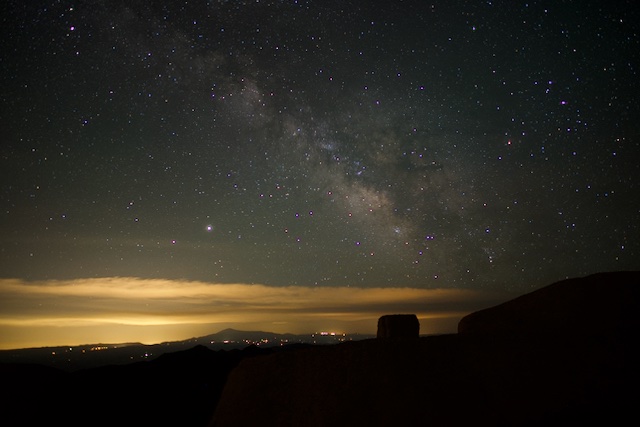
pixel 462 145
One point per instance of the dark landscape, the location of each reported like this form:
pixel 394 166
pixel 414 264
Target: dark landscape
pixel 561 355
pixel 74 358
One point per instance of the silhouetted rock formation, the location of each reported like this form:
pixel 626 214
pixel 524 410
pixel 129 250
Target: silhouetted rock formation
pixel 562 354
pixel 398 326
pixel 365 383
pixel 602 303
pixel 508 366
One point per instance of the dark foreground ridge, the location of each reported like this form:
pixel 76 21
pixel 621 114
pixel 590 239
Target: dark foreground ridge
pixel 562 355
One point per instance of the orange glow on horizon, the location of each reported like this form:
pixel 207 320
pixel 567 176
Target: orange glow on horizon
pixel 122 309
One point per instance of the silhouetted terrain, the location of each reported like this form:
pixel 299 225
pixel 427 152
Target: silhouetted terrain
pixel 73 358
pixel 173 383
pixel 178 389
pixel 561 355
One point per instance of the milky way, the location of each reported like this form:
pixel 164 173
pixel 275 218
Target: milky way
pixel 489 144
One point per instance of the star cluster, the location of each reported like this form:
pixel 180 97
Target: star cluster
pixel 470 144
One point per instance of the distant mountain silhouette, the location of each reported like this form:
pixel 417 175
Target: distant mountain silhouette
pixel 238 335
pixel 562 355
pixel 73 358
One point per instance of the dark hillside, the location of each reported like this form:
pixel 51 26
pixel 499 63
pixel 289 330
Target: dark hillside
pixel 174 389
pixel 562 355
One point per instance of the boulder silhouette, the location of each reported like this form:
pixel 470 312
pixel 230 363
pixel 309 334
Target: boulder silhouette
pixel 398 326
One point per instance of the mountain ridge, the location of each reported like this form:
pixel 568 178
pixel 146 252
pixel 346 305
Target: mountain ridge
pixel 71 358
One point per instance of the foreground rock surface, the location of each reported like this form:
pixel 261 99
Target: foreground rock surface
pixel 487 374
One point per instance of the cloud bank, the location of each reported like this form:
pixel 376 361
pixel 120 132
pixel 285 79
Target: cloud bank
pixel 121 309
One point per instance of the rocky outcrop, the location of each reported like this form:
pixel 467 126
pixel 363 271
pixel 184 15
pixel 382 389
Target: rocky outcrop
pixel 508 366
pixel 398 326
pixel 600 304
pixel 365 383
